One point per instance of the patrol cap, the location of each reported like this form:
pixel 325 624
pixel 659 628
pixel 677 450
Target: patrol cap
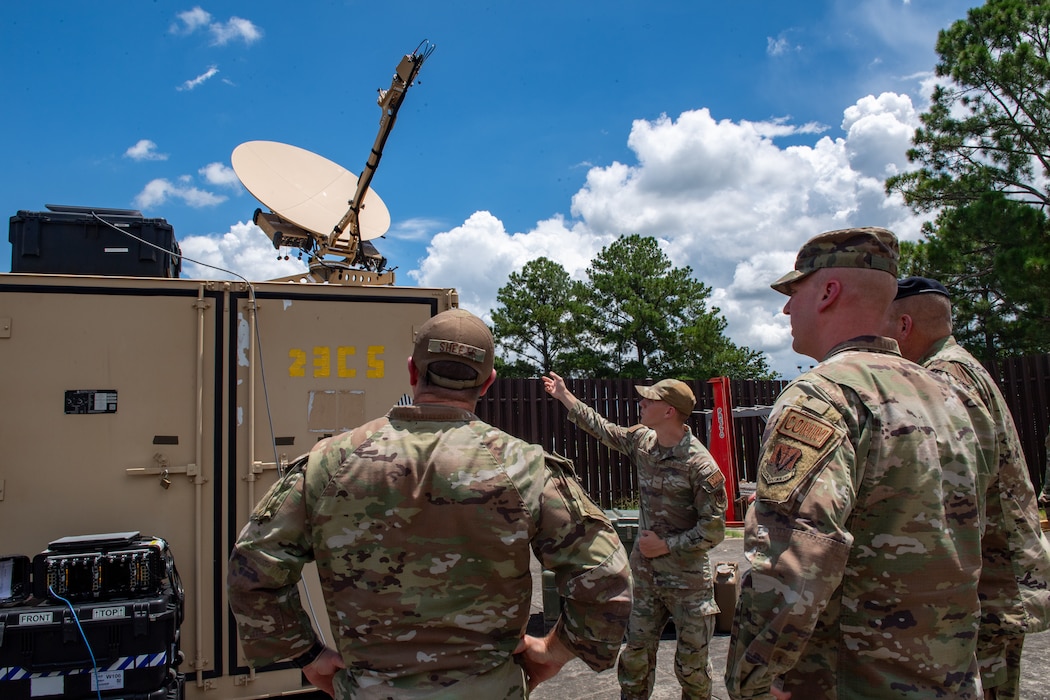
pixel 913 286
pixel 670 391
pixel 866 248
pixel 458 336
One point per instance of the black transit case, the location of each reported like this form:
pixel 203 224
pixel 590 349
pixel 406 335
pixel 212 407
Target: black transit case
pixel 93 241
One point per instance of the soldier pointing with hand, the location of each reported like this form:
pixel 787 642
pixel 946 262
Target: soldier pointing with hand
pixel 681 516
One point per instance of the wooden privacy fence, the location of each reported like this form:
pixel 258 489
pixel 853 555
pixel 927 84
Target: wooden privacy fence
pixel 1025 382
pixel 522 408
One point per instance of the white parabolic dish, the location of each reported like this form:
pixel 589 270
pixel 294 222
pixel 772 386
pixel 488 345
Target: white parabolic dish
pixel 306 189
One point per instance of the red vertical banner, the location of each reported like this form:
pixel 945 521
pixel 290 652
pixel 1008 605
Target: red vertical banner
pixel 722 443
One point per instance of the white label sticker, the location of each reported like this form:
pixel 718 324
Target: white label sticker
pixel 109 613
pixel 107 680
pixel 48 685
pixel 36 618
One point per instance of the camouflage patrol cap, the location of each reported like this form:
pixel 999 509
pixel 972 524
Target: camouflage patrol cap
pixel 866 248
pixel 457 336
pixel 913 286
pixel 670 391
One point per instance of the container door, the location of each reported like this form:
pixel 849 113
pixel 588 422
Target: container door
pixel 110 392
pixel 315 361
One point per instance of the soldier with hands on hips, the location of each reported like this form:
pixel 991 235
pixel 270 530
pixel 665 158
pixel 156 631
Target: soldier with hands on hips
pixel 422 524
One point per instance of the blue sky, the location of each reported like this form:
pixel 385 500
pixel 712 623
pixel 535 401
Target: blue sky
pixel 730 131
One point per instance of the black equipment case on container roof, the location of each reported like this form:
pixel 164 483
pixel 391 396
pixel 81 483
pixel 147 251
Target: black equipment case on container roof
pixel 93 241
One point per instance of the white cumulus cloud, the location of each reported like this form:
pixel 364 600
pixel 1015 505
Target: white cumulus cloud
pixel 219 174
pixel 494 253
pixel 244 250
pixel 723 197
pixel 222 33
pixel 145 149
pixel 161 190
pixel 190 21
pixel 234 28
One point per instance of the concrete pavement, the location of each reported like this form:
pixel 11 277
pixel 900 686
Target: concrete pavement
pixel 577 682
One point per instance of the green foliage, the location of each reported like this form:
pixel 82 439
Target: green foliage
pixel 535 317
pixel 636 316
pixel 983 157
pixel 626 503
pixel 987 126
pixel 994 256
pixel 635 301
pixel 518 369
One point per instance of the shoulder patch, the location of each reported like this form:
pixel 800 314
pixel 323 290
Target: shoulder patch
pixel 716 479
pixel 808 429
pixel 799 443
pixel 782 461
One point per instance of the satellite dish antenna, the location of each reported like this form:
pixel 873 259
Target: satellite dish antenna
pixel 317 205
pixel 306 189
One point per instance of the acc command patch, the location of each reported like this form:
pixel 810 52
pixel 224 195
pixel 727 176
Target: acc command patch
pixel 780 466
pixel 800 441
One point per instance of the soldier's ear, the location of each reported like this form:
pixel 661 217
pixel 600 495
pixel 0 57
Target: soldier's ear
pixel 831 291
pixel 905 325
pixel 488 382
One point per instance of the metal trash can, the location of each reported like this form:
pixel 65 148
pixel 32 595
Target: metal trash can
pixel 625 522
pixel 727 590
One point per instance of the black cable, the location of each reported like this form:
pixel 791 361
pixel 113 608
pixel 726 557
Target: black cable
pixel 255 308
pixel 262 366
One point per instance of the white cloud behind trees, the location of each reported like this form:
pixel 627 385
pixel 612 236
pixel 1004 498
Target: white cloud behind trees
pixel 725 198
pixel 733 200
pixel 509 152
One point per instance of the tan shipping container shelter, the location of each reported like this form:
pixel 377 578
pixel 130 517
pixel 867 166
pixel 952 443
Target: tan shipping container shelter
pixel 146 404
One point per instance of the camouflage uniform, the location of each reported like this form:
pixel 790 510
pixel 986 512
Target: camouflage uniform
pixel 683 500
pixel 864 540
pixel 421 525
pixel 1014 590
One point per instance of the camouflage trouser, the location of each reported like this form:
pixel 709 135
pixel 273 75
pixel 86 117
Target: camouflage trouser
pixel 1001 675
pixel 651 610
